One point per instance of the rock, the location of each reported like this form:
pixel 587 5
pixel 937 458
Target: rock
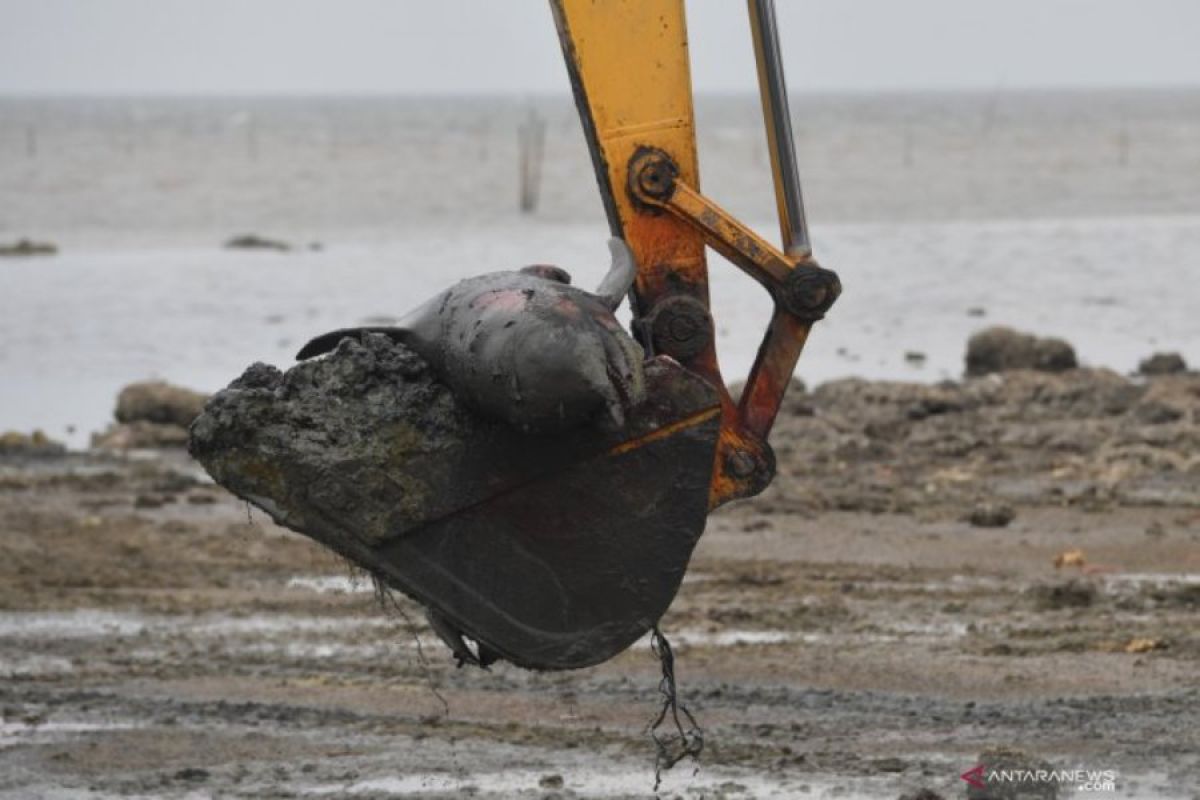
pixel 1169 398
pixel 192 774
pixel 1074 557
pixel 1162 364
pixel 921 794
pixel 991 515
pixel 149 501
pixel 23 248
pixel 32 444
pixel 160 403
pixel 1144 644
pixel 552 781
pixel 1071 593
pixel 999 349
pixel 140 436
pixel 1029 777
pixel 250 241
pixel 915 357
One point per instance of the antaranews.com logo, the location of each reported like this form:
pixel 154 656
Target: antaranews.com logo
pixel 1008 781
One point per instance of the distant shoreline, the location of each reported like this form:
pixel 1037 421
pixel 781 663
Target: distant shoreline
pixel 1003 92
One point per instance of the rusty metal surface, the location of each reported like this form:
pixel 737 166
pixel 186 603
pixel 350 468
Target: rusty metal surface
pixel 802 292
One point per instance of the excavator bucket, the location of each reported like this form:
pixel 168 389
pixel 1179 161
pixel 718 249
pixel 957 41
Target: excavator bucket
pixel 550 551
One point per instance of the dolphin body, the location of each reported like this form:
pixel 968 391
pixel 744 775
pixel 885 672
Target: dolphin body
pixel 526 347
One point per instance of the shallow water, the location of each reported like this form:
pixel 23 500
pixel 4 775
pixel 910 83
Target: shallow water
pixel 95 624
pixel 592 781
pixel 76 328
pixel 1075 215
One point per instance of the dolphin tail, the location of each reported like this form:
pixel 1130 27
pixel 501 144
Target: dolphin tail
pixel 621 274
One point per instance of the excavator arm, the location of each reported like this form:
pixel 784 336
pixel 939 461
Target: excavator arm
pixel 629 70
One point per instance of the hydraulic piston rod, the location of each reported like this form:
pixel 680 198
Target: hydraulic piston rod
pixel 773 90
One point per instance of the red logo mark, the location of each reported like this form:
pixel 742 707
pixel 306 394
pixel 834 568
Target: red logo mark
pixel 974 776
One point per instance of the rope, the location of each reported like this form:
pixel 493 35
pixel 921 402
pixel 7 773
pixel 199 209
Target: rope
pixel 387 601
pixel 680 743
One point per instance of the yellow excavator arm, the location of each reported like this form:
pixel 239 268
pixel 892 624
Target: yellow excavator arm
pixel 629 68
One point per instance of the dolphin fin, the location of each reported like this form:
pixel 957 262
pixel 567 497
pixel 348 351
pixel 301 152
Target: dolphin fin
pixel 326 342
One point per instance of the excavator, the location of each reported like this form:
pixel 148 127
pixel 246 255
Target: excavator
pixel 562 533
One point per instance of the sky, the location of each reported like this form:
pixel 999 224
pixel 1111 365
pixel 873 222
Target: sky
pixel 509 46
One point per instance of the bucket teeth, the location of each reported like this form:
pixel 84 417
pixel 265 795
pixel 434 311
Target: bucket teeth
pixel 453 638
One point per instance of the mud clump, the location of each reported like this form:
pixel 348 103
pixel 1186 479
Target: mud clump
pixel 991 515
pixel 36 444
pixel 159 402
pixel 1089 438
pixel 1000 349
pixel 251 241
pixel 349 448
pixel 1071 593
pixel 25 248
pixel 1162 364
pixel 151 415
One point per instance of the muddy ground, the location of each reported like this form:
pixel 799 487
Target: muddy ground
pixel 850 634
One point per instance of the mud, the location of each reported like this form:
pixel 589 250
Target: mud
pixel 1086 438
pixel 850 634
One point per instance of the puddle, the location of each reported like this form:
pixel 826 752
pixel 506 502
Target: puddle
pixel 331 584
pixel 889 633
pixel 34 665
pixel 1155 579
pixel 955 584
pixel 731 638
pixel 13 733
pixel 593 782
pixel 89 624
pixel 80 624
pixel 936 630
pixel 324 650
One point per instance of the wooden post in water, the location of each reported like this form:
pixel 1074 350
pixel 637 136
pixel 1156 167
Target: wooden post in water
pixel 252 136
pixel 1124 144
pixel 531 139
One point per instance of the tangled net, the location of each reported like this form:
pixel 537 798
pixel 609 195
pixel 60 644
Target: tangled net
pixel 678 742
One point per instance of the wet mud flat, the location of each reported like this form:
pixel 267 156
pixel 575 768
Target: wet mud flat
pixel 852 633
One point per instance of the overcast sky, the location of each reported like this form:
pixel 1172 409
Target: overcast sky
pixel 470 46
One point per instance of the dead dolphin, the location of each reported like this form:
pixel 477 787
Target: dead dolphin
pixel 526 347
